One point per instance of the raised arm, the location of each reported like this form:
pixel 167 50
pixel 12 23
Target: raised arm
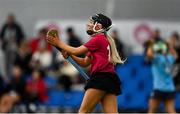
pixel 55 41
pixel 72 50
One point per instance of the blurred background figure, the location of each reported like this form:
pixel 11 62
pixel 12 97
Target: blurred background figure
pixel 119 44
pixel 72 38
pixel 23 57
pixel 69 70
pixel 41 51
pixel 156 35
pixel 39 41
pixel 42 58
pixel 11 36
pixel 2 64
pixel 65 82
pixel 11 31
pixel 175 43
pixel 162 57
pixel 36 89
pixel 14 91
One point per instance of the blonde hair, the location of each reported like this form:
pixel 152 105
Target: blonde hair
pixel 114 58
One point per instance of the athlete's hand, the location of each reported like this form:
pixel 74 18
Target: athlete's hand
pixel 52 37
pixel 64 54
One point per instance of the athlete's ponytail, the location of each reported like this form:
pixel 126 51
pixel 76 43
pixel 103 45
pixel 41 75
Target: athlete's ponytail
pixel 114 58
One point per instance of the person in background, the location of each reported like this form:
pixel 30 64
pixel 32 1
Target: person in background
pixel 39 41
pixel 14 91
pixel 65 82
pixel 11 35
pixel 2 86
pixel 119 44
pixel 72 38
pixel 23 57
pixel 11 31
pixel 175 43
pixel 42 56
pixel 162 57
pixel 155 37
pixel 2 65
pixel 36 87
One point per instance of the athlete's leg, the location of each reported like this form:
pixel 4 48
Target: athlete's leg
pixel 91 98
pixel 153 105
pixel 109 103
pixel 169 105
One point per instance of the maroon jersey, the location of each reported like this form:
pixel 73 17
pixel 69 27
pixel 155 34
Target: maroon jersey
pixel 99 51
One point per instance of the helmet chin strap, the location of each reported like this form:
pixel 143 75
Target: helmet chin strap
pixel 97 31
pixel 100 30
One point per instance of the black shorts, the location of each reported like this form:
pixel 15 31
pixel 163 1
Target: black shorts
pixel 157 94
pixel 108 82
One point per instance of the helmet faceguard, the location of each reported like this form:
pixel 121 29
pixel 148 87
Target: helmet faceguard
pixel 103 20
